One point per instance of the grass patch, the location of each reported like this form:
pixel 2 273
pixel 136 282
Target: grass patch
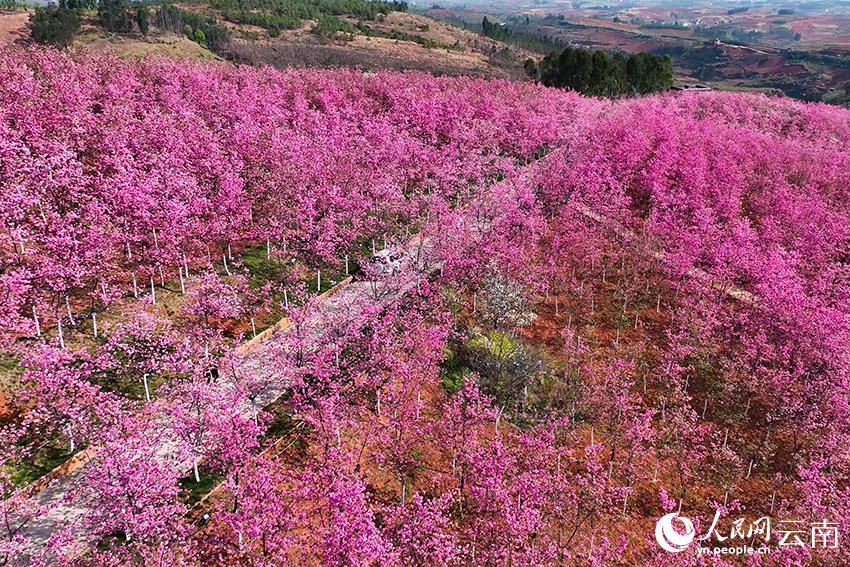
pixel 192 491
pixel 46 458
pixel 131 387
pixel 262 269
pixel 453 373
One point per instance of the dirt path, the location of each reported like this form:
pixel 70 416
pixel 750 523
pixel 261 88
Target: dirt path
pixel 14 26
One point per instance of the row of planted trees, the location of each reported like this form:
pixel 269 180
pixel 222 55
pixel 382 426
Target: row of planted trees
pixel 129 183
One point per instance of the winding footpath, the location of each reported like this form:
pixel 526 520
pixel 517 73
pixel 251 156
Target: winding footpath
pixel 64 506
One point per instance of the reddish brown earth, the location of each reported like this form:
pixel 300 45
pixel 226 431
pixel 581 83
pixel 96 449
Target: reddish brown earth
pixel 14 26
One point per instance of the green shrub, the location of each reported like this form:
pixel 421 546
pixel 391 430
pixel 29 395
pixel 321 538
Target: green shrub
pixel 54 26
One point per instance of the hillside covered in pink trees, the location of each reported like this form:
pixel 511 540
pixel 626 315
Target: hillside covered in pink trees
pixel 605 312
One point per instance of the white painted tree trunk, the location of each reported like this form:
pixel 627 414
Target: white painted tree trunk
pixel 135 287
pixel 195 469
pixel 253 327
pixel 346 265
pixel 161 277
pixel 226 269
pixel 182 281
pixel 61 334
pixel 268 250
pixel 94 323
pixel 318 280
pixel 286 299
pixel 37 324
pixel 147 388
pixel 70 314
pixel 153 292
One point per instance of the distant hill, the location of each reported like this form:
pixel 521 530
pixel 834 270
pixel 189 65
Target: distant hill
pixel 322 34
